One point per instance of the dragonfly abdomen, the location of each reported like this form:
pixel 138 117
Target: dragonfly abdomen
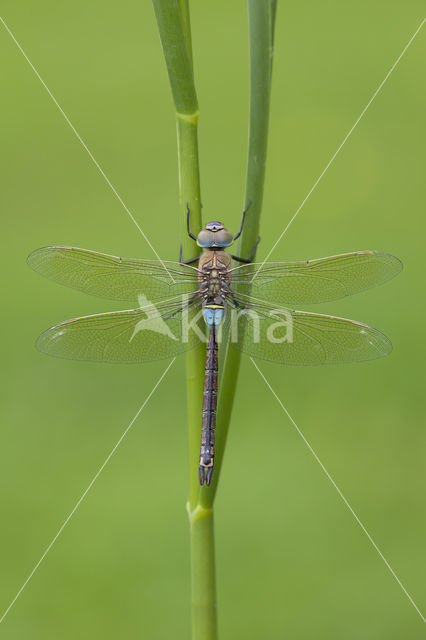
pixel 209 410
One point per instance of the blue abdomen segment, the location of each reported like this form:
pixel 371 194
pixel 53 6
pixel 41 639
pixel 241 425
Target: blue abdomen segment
pixel 213 315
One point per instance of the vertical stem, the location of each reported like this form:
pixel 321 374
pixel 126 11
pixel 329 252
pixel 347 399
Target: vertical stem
pixel 186 24
pixel 261 14
pixel 204 623
pixel 175 33
pixel 189 190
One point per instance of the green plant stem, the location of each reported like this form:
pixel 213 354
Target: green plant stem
pixel 203 587
pixel 189 182
pixel 261 14
pixel 186 23
pixel 175 33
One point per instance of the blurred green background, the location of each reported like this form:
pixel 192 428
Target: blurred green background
pixel 292 561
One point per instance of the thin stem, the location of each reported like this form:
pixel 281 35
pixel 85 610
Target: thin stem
pixel 186 23
pixel 204 622
pixel 175 33
pixel 261 15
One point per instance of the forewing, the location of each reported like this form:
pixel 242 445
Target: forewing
pixel 313 281
pixel 134 336
pixel 112 277
pixel 300 338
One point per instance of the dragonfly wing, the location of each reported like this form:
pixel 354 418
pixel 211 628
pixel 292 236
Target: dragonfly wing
pixel 111 277
pixel 301 338
pixel 313 281
pixel 134 336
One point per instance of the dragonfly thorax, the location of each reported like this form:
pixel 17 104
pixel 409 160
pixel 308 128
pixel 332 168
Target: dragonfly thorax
pixel 214 268
pixel 214 281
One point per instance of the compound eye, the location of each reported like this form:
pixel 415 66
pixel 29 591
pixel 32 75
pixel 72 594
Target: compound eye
pixel 205 238
pixel 224 238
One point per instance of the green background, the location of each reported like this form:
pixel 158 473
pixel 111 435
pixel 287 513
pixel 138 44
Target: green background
pixel 292 561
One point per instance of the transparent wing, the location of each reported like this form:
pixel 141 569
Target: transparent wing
pixel 134 336
pixel 300 338
pixel 112 277
pixel 313 281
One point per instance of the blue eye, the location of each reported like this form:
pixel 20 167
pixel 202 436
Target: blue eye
pixel 221 238
pixel 224 238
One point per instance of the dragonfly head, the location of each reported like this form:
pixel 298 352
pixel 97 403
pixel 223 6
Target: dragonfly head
pixel 214 235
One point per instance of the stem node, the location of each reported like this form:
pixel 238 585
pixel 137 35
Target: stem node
pixel 191 118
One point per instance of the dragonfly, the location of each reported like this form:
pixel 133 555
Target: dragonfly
pixel 176 305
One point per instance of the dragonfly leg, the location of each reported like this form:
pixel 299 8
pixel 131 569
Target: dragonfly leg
pixel 247 260
pixel 242 221
pixel 191 235
pixel 190 261
pixel 236 303
pixel 188 305
pixel 229 294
